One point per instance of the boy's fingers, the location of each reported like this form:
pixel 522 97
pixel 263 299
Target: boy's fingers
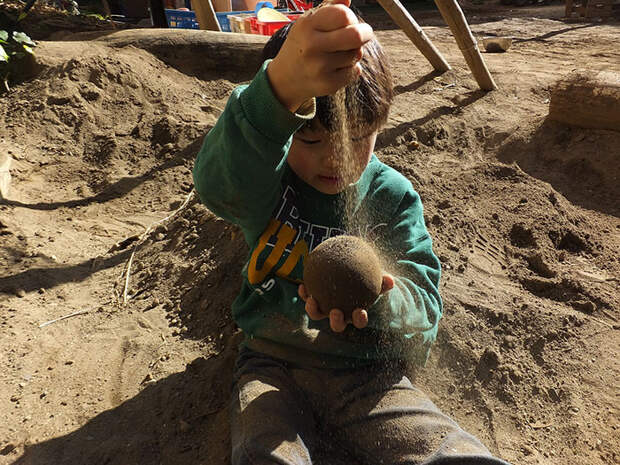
pixel 337 79
pixel 346 59
pixel 336 321
pixel 347 38
pixel 360 318
pixel 313 311
pixel 346 3
pixel 387 283
pixel 332 17
pixel 301 290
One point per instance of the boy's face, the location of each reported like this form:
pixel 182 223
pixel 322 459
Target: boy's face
pixel 317 161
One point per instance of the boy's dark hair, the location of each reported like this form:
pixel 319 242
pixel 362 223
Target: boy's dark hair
pixel 368 99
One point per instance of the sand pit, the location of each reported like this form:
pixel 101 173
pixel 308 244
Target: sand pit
pixel 523 212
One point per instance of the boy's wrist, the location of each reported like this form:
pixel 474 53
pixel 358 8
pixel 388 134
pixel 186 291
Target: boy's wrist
pixel 283 87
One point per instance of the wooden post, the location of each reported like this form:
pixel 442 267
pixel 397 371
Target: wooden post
pixel 205 14
pixel 415 33
pixel 108 12
pixel 454 17
pixel 158 13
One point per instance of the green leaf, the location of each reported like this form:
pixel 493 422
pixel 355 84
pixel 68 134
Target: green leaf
pixel 3 55
pixel 28 49
pixel 4 36
pixel 22 15
pixel 22 38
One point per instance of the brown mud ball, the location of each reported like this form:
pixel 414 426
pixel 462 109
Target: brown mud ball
pixel 344 272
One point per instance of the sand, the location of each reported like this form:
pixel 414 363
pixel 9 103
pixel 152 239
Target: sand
pixel 523 212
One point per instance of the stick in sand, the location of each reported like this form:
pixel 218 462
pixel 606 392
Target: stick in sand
pixel 81 312
pixel 141 239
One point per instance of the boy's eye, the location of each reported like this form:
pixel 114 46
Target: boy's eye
pixel 308 141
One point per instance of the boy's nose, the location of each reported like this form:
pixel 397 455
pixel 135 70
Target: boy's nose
pixel 330 161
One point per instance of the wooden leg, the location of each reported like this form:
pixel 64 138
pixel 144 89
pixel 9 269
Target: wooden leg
pixel 205 14
pixel 108 12
pixel 158 15
pixel 454 17
pixel 415 33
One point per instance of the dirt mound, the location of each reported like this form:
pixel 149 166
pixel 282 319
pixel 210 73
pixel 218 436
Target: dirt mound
pixel 580 163
pixel 521 211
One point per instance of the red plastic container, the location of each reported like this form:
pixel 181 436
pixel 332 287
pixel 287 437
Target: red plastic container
pixel 268 28
pixel 254 25
pixel 300 4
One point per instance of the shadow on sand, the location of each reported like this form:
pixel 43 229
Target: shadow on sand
pixel 181 419
pixel 579 163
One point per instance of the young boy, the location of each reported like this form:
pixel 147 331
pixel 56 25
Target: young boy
pixel 304 375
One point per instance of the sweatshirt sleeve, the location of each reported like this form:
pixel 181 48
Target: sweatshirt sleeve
pixel 239 167
pixel 413 307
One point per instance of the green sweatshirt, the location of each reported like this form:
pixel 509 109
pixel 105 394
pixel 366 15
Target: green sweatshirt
pixel 241 174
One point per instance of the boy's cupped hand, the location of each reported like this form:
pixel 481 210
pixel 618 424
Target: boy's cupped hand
pixel 337 322
pixel 320 55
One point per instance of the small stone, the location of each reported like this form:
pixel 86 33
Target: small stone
pixel 43 394
pixel 184 426
pixel 15 398
pixel 160 236
pixel 527 450
pixel 488 363
pixel 69 362
pixel 20 293
pixel 63 403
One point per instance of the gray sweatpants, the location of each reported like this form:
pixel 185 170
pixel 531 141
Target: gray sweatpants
pixel 288 415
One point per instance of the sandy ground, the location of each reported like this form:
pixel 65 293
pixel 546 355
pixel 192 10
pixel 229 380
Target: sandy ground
pixel 524 213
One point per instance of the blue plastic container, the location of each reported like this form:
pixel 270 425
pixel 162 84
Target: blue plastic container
pixel 187 19
pixel 222 18
pixel 182 19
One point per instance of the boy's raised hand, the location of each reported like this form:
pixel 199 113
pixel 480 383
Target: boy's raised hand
pixel 337 322
pixel 320 55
